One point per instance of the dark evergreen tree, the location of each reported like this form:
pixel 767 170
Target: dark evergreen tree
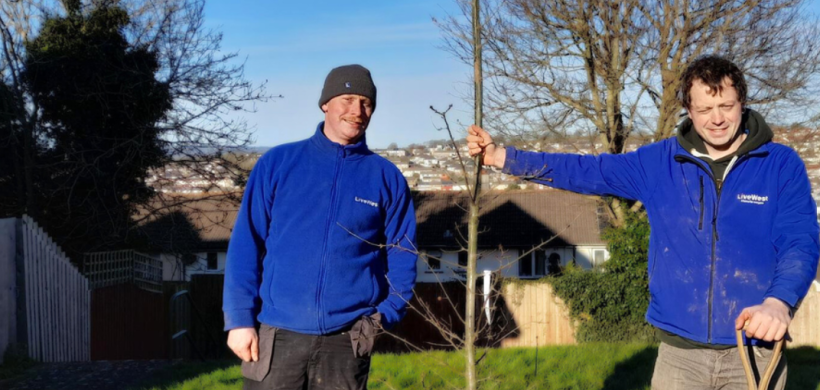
pixel 100 103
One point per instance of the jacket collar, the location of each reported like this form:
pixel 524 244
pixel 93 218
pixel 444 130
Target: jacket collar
pixel 681 152
pixel 327 146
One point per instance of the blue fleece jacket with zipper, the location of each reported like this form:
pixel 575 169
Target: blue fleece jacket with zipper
pixel 325 235
pixel 716 246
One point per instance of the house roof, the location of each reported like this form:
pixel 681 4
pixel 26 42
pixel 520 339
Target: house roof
pixel 185 224
pixel 510 219
pixel 507 218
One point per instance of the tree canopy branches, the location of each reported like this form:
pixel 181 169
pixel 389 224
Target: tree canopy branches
pixel 96 94
pixel 612 68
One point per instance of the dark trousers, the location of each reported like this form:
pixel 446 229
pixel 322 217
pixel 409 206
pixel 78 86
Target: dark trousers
pixel 306 362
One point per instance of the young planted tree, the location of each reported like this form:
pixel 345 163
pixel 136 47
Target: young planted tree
pixel 472 243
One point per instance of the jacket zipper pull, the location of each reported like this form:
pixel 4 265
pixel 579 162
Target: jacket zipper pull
pixel 719 183
pixel 700 200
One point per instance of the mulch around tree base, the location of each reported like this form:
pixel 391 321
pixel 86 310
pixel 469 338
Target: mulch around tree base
pixel 98 375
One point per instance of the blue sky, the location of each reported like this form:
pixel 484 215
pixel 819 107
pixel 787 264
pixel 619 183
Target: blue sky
pixel 293 45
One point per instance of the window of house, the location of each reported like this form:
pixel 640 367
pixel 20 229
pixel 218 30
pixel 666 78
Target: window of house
pixel 533 264
pixel 524 263
pixel 540 263
pixel 598 256
pixel 433 260
pixel 554 263
pixel 213 263
pixel 462 258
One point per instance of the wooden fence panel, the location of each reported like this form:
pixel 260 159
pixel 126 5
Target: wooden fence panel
pixel 57 318
pixel 207 333
pixel 805 327
pixel 446 303
pixel 128 323
pixel 179 318
pixel 537 317
pixel 523 315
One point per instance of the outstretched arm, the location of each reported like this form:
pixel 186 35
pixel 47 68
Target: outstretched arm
pixel 630 175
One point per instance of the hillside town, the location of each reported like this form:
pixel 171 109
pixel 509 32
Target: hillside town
pixel 436 167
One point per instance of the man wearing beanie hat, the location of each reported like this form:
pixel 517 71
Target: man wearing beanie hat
pixel 322 254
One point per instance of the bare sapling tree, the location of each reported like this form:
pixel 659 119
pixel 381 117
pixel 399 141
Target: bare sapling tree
pixel 443 305
pixel 472 237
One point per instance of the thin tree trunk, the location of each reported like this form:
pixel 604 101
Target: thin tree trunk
pixel 28 167
pixel 472 237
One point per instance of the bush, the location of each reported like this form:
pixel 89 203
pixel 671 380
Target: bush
pixel 15 362
pixel 610 305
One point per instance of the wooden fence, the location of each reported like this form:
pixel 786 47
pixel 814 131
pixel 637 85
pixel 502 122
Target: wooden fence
pixel 536 316
pixel 56 299
pixel 129 310
pixel 805 327
pixel 446 303
pixel 128 322
pixel 525 315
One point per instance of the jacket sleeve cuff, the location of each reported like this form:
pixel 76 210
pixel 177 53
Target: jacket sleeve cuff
pixel 509 159
pixel 389 316
pixel 786 297
pixel 239 319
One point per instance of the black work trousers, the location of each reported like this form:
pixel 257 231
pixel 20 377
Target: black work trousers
pixel 307 362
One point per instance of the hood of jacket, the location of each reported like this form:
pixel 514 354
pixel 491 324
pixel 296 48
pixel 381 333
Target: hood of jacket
pixel 752 123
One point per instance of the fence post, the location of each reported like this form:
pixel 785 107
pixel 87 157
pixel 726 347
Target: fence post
pixel 8 284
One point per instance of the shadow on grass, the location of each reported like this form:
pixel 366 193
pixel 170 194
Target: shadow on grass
pixel 181 372
pixel 804 368
pixel 635 372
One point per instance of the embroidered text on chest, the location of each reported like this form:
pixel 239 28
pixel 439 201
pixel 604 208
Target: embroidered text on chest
pixel 752 198
pixel 367 202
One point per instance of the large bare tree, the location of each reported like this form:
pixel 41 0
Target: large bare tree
pixel 610 69
pixel 770 40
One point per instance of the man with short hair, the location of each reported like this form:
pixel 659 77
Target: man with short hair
pixel 322 254
pixel 733 240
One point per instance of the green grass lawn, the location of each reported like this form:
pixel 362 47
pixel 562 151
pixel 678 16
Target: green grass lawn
pixel 585 367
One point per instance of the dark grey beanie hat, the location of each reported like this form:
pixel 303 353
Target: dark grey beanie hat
pixel 348 79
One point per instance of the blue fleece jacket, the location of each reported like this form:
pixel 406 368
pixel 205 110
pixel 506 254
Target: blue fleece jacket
pixel 713 250
pixel 324 236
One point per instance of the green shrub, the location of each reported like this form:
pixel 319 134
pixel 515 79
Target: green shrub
pixel 609 305
pixel 15 362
